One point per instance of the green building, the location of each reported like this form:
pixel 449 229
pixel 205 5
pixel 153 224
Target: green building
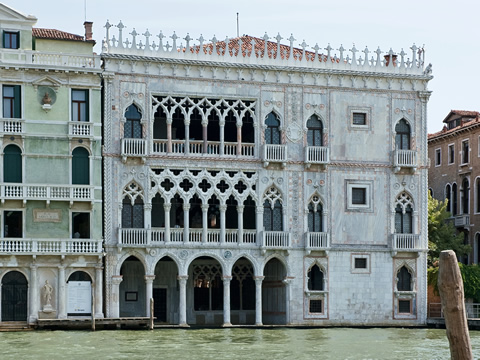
pixel 50 179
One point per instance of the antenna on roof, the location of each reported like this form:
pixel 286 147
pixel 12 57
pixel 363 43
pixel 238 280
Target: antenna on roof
pixel 85 9
pixel 238 28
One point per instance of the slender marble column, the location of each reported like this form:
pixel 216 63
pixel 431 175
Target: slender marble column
pixel 62 298
pixel 259 224
pixel 222 138
pixel 288 290
pixel 205 137
pixel 204 222
pixel 223 209
pixel 147 221
pixel 116 280
pixel 169 135
pixel 186 223
pixel 258 299
pixel 33 287
pixel 240 209
pixel 149 291
pixel 239 139
pixel 99 291
pixel 187 137
pixel 226 301
pixel 167 208
pixel 182 308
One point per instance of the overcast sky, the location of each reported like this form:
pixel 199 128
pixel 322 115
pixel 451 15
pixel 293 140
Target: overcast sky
pixel 449 30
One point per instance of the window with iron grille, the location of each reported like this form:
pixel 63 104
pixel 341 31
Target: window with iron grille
pixel 359 118
pixel 404 306
pixel 360 263
pixel 316 306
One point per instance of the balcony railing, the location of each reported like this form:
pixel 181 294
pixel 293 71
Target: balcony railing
pixel 276 240
pixel 134 148
pixel 12 126
pixel 12 191
pixel 406 242
pixel 405 159
pixel 196 147
pixel 156 237
pixel 274 153
pixel 317 241
pixel 80 129
pixel 50 59
pixel 462 220
pixel 50 246
pixel 316 155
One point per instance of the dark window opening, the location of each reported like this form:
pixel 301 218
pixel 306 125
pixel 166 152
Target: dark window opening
pixel 360 263
pixel 404 306
pixel 465 193
pixel 359 196
pixel 465 152
pixel 272 132
pixel 438 157
pixel 80 166
pixel 213 214
pixel 195 215
pixel 12 164
pixel 402 135
pixel 451 154
pixel 158 212
pixel 249 214
pixel 231 215
pixel 403 221
pixel 160 125
pixel 230 129
pixel 13 227
pixel 454 201
pixel 80 225
pixel 315 221
pixel 359 118
pixel 11 39
pixel 315 278
pixel 248 134
pixel 448 197
pixel 11 101
pixel 133 127
pixel 314 131
pixel 316 306
pixel 404 280
pixel 272 218
pixel 132 215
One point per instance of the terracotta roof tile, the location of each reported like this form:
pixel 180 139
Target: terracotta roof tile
pixel 462 113
pixel 54 34
pixel 475 115
pixel 233 45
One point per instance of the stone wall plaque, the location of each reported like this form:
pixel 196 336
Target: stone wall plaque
pixel 47 215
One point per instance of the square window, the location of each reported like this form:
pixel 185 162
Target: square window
pixel 11 39
pixel 359 118
pixel 316 306
pixel 438 157
pixel 404 307
pixel 451 153
pixel 359 196
pixel 360 263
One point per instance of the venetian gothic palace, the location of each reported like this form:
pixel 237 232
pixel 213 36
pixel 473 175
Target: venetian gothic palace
pixel 246 180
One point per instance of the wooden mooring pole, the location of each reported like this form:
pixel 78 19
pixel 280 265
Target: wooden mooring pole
pixel 93 312
pixel 151 313
pixel 450 286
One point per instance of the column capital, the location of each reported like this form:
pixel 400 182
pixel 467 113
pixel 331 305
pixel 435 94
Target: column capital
pixel 205 207
pixel 186 207
pixel 227 278
pixel 167 207
pixel 117 279
pixel 223 208
pixel 149 278
pixel 182 278
pixel 259 279
pixel 240 208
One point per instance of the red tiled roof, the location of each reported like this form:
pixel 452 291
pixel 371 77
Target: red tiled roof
pixel 233 45
pixel 473 115
pixel 55 35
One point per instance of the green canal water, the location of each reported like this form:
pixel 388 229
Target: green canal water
pixel 265 344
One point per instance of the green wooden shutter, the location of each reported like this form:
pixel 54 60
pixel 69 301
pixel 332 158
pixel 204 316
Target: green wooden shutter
pixel 80 167
pixel 17 108
pixel 12 164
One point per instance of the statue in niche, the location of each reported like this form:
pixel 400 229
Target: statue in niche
pixel 46 100
pixel 47 296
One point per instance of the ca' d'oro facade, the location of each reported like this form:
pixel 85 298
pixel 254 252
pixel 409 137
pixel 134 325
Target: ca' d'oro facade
pixel 251 182
pixel 50 180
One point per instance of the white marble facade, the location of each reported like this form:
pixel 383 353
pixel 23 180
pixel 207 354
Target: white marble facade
pixel 253 189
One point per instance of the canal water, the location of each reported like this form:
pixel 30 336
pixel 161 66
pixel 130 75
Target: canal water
pixel 265 344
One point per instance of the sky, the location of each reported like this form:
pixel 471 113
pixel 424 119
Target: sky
pixel 448 29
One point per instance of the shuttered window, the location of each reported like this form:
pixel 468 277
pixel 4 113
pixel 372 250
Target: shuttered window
pixel 80 167
pixel 12 164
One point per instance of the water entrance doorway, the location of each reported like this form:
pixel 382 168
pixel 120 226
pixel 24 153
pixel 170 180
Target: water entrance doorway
pixel 14 297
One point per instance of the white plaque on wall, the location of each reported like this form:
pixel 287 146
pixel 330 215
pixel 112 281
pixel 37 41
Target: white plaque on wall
pixel 79 297
pixel 47 215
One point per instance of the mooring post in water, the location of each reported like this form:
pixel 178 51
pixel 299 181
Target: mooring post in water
pixel 151 313
pixel 450 286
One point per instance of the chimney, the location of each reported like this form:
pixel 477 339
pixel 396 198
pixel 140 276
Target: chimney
pixel 88 30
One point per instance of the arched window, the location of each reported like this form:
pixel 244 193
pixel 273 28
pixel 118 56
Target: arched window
pixel 315 278
pixel 454 199
pixel 133 127
pixel 315 214
pixel 314 131
pixel 132 210
pixel 80 166
pixel 403 214
pixel 272 132
pixel 465 192
pixel 12 164
pixel 272 210
pixel 404 279
pixel 448 197
pixel 402 136
pixel 158 212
